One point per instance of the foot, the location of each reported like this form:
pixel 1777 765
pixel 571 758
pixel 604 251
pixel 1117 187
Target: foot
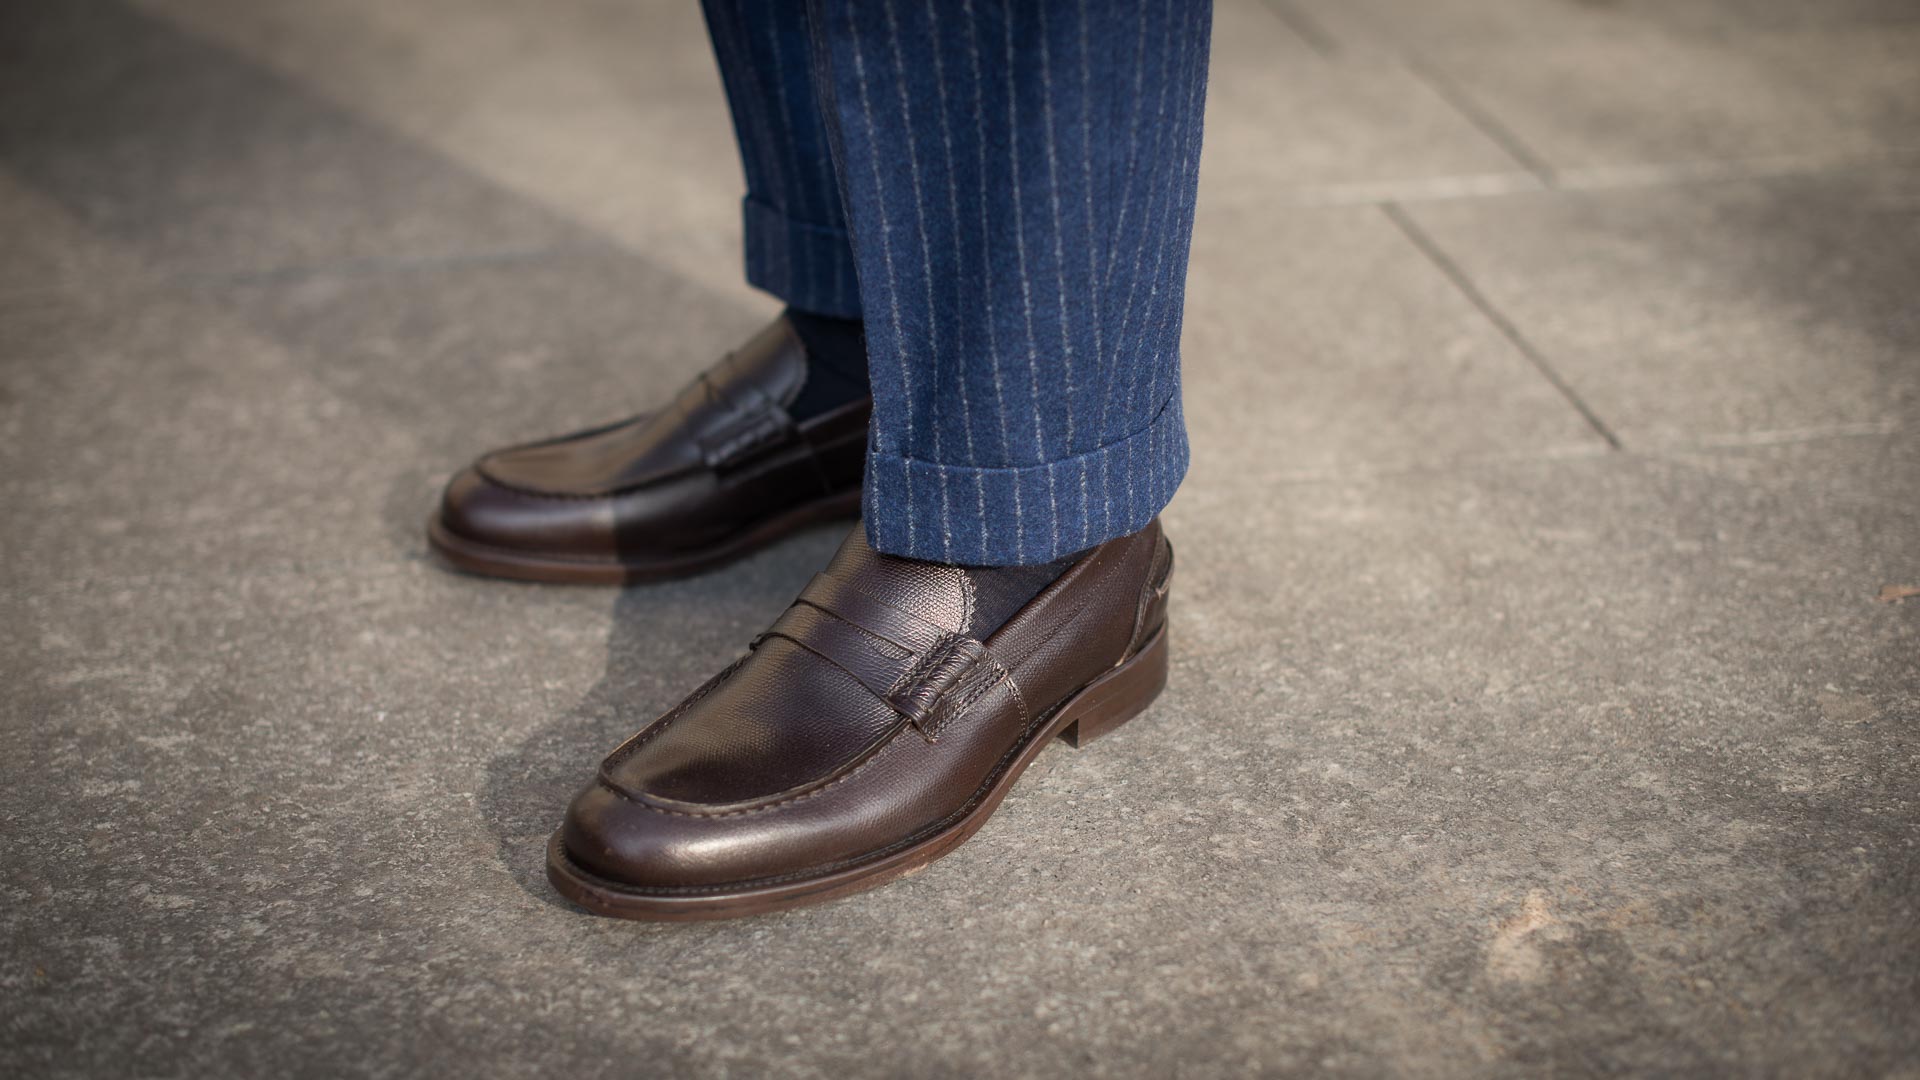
pixel 871 730
pixel 729 466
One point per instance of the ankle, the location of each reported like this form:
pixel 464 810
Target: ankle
pixel 1001 591
pixel 836 362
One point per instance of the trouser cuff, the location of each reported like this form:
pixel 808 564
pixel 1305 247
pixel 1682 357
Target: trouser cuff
pixel 1028 514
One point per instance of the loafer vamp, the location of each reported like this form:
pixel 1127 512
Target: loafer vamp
pixel 589 464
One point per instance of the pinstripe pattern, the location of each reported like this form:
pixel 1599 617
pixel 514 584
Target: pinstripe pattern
pixel 1016 184
pixel 961 337
pixel 794 225
pixel 885 436
pixel 1092 247
pixel 989 285
pixel 1018 205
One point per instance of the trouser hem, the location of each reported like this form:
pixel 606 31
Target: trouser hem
pixel 810 266
pixel 985 516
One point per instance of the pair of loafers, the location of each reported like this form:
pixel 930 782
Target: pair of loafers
pixel 872 728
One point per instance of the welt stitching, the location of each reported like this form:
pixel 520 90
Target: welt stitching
pixel 634 744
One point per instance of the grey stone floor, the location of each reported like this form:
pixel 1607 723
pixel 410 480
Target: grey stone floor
pixel 1554 370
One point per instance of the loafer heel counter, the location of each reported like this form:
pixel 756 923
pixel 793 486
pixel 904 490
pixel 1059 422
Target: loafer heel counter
pixel 1125 692
pixel 1119 695
pixel 1151 615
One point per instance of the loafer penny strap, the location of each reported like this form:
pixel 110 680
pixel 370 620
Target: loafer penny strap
pixel 945 682
pixel 873 661
pixel 753 422
pixel 926 674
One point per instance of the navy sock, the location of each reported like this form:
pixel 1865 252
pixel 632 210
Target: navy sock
pixel 836 362
pixel 1000 591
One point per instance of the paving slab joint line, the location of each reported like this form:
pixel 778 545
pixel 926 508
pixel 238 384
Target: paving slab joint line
pixel 1650 176
pixel 1742 440
pixel 1396 214
pixel 1303 27
pixel 1482 120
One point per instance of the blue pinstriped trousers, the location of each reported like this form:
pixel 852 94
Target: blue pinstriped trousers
pixel 1003 190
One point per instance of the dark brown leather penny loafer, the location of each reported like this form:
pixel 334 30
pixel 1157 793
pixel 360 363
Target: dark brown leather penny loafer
pixel 862 736
pixel 719 472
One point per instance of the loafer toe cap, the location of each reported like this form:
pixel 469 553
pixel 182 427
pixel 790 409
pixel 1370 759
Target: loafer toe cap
pixel 479 509
pixel 616 837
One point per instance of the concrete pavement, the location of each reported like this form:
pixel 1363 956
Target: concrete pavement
pixel 1554 375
